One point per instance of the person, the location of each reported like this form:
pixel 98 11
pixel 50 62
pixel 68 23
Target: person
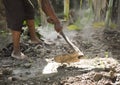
pixel 18 11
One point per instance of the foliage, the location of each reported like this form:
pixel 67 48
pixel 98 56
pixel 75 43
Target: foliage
pixel 73 27
pixel 102 24
pixel 4 33
pixel 98 24
pixel 82 21
pixel 37 21
pixel 87 16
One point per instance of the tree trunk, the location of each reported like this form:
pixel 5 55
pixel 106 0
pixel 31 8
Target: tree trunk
pixel 66 9
pixel 108 14
pixel 2 16
pixel 99 9
pixel 118 14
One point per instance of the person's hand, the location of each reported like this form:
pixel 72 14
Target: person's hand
pixel 49 20
pixel 58 27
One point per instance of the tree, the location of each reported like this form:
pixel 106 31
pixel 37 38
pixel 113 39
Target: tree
pixel 66 9
pixel 108 14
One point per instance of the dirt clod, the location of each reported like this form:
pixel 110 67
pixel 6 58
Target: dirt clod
pixel 98 76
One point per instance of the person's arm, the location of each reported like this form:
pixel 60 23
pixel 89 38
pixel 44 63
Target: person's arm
pixel 49 11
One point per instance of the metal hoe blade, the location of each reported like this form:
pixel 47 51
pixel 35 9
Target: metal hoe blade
pixel 71 44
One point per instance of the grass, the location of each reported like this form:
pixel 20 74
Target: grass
pixel 102 24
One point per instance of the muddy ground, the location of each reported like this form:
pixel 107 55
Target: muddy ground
pixel 99 66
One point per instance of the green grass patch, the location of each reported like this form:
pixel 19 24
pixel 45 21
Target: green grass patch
pixel 98 24
pixel 102 24
pixel 73 27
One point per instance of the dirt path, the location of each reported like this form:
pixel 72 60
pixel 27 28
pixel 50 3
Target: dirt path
pixel 99 66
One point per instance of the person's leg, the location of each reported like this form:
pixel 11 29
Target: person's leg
pixel 29 17
pixel 15 17
pixel 31 27
pixel 33 36
pixel 16 41
pixel 16 46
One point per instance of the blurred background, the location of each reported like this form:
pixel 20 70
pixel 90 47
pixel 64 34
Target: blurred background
pixel 106 12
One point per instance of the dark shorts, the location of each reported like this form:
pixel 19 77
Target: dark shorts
pixel 17 11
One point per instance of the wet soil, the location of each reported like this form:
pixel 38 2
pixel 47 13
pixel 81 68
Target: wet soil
pixel 99 66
